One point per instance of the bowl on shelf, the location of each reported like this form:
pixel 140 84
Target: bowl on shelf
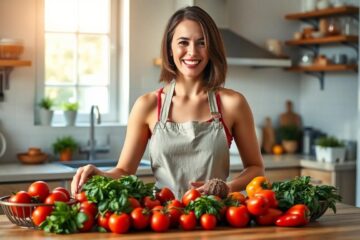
pixel 11 48
pixel 32 156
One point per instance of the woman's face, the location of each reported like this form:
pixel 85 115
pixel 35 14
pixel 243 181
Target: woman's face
pixel 188 49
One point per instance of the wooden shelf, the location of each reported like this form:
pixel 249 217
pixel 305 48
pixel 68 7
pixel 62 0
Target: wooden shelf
pixel 324 40
pixel 345 10
pixel 14 63
pixel 327 68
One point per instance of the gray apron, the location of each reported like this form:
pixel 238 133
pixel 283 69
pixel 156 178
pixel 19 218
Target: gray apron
pixel 190 151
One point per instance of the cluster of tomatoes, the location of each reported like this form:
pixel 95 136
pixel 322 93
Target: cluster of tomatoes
pixel 38 192
pixel 162 211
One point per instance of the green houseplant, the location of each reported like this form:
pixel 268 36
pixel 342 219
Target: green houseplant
pixel 329 149
pixel 65 146
pixel 46 113
pixel 289 136
pixel 70 112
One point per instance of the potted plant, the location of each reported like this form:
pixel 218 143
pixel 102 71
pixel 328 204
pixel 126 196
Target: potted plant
pixel 70 112
pixel 329 149
pixel 289 136
pixel 65 146
pixel 46 112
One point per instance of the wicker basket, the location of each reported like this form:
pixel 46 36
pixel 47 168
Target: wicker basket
pixel 20 213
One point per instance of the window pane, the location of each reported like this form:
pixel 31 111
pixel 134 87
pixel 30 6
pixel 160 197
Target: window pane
pixel 61 15
pixel 61 94
pixel 94 96
pixel 93 59
pixel 94 16
pixel 59 58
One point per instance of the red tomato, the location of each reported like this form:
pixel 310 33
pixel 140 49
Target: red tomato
pixel 269 195
pixel 237 216
pixel 81 197
pixel 90 207
pixel 40 213
pixel 119 223
pixel 89 223
pixel 134 203
pixel 188 221
pixel 39 190
pixel 257 205
pixel 56 197
pixel 174 208
pixel 189 196
pixel 208 221
pixel 140 218
pixel 302 210
pixel 21 197
pixel 64 190
pixel 159 222
pixel 158 208
pixel 269 218
pixel 103 220
pixel 237 196
pixel 150 202
pixel 290 220
pixel 164 195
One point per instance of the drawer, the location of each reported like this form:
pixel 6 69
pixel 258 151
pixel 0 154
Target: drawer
pixel 318 177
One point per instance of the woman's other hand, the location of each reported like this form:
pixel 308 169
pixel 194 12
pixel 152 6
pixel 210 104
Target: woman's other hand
pixel 198 186
pixel 81 176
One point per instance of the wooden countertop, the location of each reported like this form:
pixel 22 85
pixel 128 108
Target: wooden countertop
pixel 343 225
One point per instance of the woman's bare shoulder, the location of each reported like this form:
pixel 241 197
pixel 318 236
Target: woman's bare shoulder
pixel 231 99
pixel 146 102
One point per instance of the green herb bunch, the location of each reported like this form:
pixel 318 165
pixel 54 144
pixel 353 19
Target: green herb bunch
pixel 64 219
pixel 112 194
pixel 300 190
pixel 328 142
pixel 205 204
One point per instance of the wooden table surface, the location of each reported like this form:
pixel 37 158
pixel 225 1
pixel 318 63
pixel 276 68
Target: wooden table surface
pixel 343 225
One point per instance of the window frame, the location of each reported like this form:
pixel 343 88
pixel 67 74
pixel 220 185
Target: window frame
pixel 114 63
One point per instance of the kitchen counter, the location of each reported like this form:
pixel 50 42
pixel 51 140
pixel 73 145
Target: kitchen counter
pixel 17 172
pixel 343 225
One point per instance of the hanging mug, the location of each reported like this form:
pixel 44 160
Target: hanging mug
pixel 2 145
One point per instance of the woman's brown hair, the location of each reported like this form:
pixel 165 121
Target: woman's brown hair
pixel 215 71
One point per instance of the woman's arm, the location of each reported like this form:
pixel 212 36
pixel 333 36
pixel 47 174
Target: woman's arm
pixel 136 139
pixel 238 111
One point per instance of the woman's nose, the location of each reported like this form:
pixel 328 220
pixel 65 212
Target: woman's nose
pixel 191 51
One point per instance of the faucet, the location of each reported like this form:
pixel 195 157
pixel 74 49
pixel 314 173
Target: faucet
pixel 91 148
pixel 94 115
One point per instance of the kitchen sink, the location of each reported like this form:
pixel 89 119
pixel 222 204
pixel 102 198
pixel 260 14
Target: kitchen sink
pixel 101 163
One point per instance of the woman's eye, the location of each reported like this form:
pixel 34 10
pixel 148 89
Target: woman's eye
pixel 183 43
pixel 202 44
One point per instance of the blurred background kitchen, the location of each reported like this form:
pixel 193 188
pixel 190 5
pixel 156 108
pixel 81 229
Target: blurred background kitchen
pixel 93 58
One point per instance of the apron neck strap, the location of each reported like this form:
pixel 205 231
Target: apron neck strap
pixel 213 105
pixel 167 102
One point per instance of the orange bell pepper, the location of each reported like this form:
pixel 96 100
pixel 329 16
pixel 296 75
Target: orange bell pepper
pixel 257 184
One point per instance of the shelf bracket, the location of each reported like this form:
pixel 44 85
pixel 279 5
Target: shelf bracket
pixel 320 76
pixel 4 81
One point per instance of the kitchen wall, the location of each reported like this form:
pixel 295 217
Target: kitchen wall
pixel 333 110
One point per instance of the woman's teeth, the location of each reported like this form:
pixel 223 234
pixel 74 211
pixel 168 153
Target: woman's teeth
pixel 191 62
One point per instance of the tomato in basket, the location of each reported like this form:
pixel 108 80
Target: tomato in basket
pixel 21 197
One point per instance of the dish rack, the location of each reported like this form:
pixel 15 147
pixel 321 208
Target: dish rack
pixel 20 213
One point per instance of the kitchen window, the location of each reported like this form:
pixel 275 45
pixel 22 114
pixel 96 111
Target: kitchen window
pixel 80 39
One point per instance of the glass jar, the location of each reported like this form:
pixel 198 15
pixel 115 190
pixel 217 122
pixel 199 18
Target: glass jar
pixel 333 27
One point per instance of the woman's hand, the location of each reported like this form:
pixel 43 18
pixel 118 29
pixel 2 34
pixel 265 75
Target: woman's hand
pixel 82 175
pixel 198 186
